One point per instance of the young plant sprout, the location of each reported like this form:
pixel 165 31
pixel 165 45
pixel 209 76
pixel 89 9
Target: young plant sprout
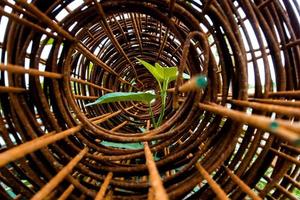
pixel 163 76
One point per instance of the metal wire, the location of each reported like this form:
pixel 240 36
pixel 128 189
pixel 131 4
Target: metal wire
pixel 238 137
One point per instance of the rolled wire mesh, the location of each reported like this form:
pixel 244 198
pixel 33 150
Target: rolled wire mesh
pixel 237 138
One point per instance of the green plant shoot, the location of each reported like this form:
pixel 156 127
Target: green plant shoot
pixel 163 76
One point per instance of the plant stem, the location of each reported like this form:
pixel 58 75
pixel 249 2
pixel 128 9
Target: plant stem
pixel 163 96
pixel 152 116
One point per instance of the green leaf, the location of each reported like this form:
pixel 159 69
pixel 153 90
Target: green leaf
pixel 49 42
pixel 162 73
pixel 131 146
pixel 168 73
pixel 145 97
pixel 90 67
pixel 160 70
pixel 152 69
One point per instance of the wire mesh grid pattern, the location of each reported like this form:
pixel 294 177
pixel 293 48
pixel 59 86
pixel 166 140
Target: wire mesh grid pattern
pixel 236 139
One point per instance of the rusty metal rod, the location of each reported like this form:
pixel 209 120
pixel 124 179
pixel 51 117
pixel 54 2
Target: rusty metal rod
pixel 257 121
pixel 242 185
pixel 7 89
pixel 119 126
pixel 101 193
pixel 288 157
pixel 33 145
pixel 291 93
pixel 155 179
pixel 90 84
pixel 59 177
pixel 66 193
pixel 33 72
pixel 214 186
pixel 267 107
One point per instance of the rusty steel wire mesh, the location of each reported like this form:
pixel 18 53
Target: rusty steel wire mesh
pixel 238 138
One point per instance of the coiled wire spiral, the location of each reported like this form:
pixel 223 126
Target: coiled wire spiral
pixel 238 137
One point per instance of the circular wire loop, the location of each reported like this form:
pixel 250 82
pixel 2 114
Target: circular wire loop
pixel 236 136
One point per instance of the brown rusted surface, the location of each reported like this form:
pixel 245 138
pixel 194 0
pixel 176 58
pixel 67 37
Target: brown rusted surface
pixel 242 129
